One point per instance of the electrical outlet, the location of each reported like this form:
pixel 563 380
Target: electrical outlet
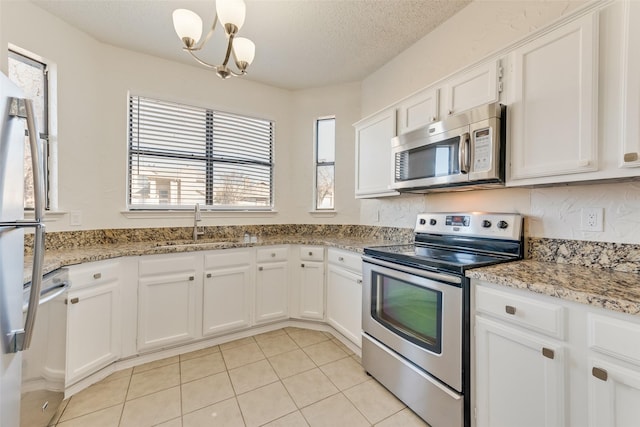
pixel 75 218
pixel 592 219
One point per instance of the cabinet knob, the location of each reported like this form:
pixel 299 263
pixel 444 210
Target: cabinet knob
pixel 302 265
pixel 630 157
pixel 599 373
pixel 310 253
pixel 273 255
pixel 433 118
pixel 359 281
pixel 510 309
pixel 260 268
pixel 73 300
pixel 97 275
pixel 341 259
pixel 548 353
pixel 450 112
pixel 192 278
pixel 208 275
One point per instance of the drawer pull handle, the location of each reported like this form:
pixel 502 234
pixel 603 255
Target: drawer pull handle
pixel 341 259
pixel 208 275
pixel 260 268
pixel 599 373
pixel 192 278
pixel 510 309
pixel 548 353
pixel 74 300
pixel 97 275
pixel 630 157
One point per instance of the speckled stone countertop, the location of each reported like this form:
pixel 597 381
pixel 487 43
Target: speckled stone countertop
pixel 604 275
pixel 64 249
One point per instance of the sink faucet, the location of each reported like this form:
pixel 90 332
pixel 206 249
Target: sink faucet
pixel 197 231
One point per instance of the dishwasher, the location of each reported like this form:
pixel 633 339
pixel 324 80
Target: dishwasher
pixel 43 364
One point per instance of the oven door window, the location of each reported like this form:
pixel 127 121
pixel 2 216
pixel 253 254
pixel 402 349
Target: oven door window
pixel 429 161
pixel 411 311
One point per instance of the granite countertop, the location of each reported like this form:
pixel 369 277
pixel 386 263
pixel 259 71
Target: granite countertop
pixel 55 259
pixel 606 288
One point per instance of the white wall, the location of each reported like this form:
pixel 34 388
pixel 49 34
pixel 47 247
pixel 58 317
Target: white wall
pixel 93 82
pixel 481 28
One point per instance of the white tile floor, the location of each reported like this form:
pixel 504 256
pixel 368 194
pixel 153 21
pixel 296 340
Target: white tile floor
pixel 286 378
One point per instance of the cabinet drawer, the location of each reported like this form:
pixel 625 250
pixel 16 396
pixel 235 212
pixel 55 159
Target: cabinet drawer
pixel 93 273
pixel 161 264
pixel 280 253
pixel 312 253
pixel 227 258
pixel 536 315
pixel 350 260
pixel 614 337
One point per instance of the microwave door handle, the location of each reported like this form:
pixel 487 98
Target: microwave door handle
pixel 463 153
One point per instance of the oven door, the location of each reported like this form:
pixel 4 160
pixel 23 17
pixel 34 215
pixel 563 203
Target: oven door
pixel 421 159
pixel 417 314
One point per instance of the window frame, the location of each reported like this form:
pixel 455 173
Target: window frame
pixel 317 164
pixel 208 160
pixel 49 148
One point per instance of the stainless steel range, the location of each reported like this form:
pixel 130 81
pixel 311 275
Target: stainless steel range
pixel 416 314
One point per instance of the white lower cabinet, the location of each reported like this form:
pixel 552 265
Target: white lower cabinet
pixel 307 290
pixel 520 377
pixel 272 281
pixel 167 291
pixel 93 319
pixel 227 291
pixel 344 294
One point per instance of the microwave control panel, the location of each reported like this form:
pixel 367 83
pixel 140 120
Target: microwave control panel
pixel 482 149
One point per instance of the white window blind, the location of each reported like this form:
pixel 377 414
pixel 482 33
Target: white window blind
pixel 181 155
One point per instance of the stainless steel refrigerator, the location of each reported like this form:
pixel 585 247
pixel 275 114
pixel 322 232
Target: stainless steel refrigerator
pixel 16 116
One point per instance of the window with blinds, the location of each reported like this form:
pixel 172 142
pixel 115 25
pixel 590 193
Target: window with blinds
pixel 181 155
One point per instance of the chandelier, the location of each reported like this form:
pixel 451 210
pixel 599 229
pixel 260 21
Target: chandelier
pixel 230 13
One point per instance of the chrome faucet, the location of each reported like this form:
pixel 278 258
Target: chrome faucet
pixel 197 231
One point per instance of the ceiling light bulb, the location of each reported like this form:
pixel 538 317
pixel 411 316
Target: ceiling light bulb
pixel 188 26
pixel 231 12
pixel 244 50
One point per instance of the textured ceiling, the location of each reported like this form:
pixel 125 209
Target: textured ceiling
pixel 299 43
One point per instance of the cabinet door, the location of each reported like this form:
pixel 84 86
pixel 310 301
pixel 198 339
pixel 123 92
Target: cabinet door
pixel 373 155
pixel 311 287
pixel 418 110
pixel 614 395
pixel 93 329
pixel 271 292
pixel 630 155
pixel 472 88
pixel 226 304
pixel 520 378
pixel 166 310
pixel 554 113
pixel 344 302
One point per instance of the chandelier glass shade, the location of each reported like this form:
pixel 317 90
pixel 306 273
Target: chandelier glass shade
pixel 230 14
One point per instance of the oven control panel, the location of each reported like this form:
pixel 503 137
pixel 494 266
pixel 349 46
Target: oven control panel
pixel 479 224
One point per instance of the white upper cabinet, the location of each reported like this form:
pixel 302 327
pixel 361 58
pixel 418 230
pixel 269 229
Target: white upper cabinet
pixel 630 153
pixel 554 110
pixel 418 110
pixel 373 154
pixel 472 88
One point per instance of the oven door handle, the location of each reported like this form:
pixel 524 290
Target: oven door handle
pixel 415 271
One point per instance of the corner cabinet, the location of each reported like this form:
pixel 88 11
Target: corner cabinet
pixel 272 284
pixel 307 286
pixel 167 290
pixel 553 115
pixel 344 293
pixel 93 319
pixel 373 155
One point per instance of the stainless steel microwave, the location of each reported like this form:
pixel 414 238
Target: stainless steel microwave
pixel 462 152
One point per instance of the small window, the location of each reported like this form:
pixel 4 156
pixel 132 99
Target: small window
pixel 325 151
pixel 181 155
pixel 32 77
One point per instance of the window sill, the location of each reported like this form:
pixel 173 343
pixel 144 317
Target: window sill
pixel 49 216
pixel 151 214
pixel 323 214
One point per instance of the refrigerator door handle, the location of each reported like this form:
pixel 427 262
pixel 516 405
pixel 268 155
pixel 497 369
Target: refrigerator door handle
pixel 21 339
